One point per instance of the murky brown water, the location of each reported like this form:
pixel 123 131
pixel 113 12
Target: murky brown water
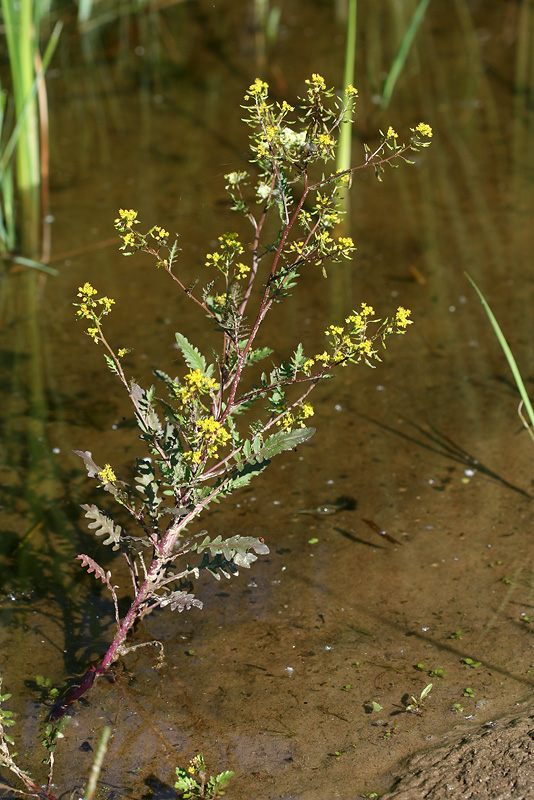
pixel 287 659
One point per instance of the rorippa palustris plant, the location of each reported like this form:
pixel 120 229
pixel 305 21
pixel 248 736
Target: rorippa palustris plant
pixel 207 436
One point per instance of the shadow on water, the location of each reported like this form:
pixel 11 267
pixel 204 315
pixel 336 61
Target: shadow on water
pixel 430 438
pixel 272 678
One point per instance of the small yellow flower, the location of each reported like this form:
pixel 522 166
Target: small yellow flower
pixel 317 81
pixel 392 134
pixel 367 311
pixel 84 311
pixel 259 87
pixel 86 290
pixel 159 233
pixel 324 357
pixel 128 240
pixel 401 317
pixel 424 129
pixel 122 351
pixel 127 217
pixel 325 140
pixel 242 270
pixel 107 302
pixel 307 411
pixel 107 475
pixel 350 91
pixel 332 330
pixel 286 422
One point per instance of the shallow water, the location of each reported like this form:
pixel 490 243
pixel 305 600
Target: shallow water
pixel 289 657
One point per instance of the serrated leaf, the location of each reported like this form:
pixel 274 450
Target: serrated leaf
pixel 192 355
pixel 253 356
pixel 281 441
pixel 180 601
pixel 235 549
pixel 247 471
pixel 111 364
pixel 92 566
pixel 146 417
pixel 103 525
pixel 92 468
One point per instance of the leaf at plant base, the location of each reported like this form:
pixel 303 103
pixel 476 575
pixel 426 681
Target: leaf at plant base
pixel 103 525
pixel 192 356
pixel 92 566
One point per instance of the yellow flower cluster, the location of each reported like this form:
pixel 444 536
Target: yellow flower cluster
pixel 289 420
pixel 127 218
pixel 351 344
pixel 159 233
pixel 128 240
pixel 230 247
pixel 392 133
pixel 424 129
pixel 325 141
pixel 210 436
pixel 401 317
pixel 259 87
pixel 107 475
pixel 87 309
pixel 195 384
pixel 350 91
pixel 242 270
pixel 358 320
pixel 345 246
pixel 317 82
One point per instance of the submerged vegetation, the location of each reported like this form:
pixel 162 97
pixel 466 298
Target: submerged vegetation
pixel 223 419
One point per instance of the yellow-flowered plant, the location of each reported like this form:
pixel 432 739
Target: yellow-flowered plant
pixel 213 431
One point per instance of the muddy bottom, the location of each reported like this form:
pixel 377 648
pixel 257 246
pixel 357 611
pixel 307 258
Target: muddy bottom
pixel 493 762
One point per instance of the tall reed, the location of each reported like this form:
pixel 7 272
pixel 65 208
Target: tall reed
pixel 22 22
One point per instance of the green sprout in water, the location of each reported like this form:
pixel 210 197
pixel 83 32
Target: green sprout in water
pixel 416 705
pixel 470 662
pixel 194 782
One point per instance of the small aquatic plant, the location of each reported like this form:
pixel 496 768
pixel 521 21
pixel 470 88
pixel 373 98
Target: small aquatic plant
pixel 206 437
pixel 194 782
pixel 218 424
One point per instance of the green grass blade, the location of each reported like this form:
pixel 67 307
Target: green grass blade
pixel 507 352
pixel 344 152
pixel 402 53
pixel 10 146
